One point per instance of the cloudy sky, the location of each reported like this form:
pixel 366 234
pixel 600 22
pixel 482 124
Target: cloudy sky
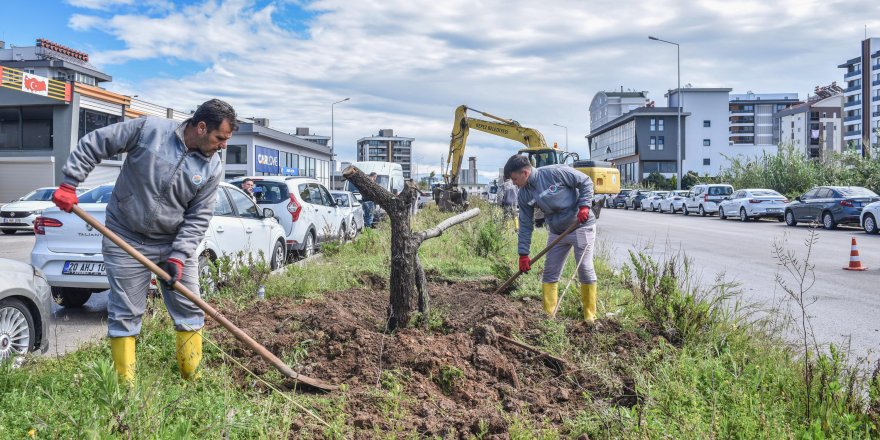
pixel 407 64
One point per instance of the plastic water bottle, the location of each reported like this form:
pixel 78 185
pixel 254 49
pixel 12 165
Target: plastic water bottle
pixel 261 292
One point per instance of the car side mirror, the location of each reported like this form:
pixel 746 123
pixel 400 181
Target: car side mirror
pixel 798 198
pixel 20 199
pixel 268 213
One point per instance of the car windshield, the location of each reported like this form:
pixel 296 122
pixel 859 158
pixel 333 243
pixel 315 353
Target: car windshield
pixel 624 192
pixel 40 195
pixel 681 193
pixel 766 193
pixel 100 194
pixel 662 194
pixel 856 191
pixel 268 192
pixel 720 190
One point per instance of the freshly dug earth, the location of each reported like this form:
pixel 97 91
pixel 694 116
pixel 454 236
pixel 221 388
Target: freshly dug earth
pixel 457 378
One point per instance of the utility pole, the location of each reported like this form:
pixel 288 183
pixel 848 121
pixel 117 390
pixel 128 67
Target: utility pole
pixel 333 140
pixel 566 136
pixel 680 97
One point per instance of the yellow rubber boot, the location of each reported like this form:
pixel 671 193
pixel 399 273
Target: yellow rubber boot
pixel 550 296
pixel 588 299
pixel 189 353
pixel 122 353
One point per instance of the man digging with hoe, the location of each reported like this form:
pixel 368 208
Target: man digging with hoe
pixel 161 204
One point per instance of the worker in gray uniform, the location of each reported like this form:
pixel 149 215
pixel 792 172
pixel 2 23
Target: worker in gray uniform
pixel 507 196
pixel 161 204
pixel 565 195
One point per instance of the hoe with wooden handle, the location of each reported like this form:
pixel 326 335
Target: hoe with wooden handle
pixel 212 312
pixel 537 257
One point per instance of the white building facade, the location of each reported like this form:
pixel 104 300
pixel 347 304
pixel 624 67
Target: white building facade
pixel 607 106
pixel 861 97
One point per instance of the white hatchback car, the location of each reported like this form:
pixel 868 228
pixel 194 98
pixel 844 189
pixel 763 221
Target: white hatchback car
pixel 352 210
pixel 20 214
pixel 748 204
pixel 869 216
pixel 673 202
pixel 652 201
pixel 68 250
pixel 304 208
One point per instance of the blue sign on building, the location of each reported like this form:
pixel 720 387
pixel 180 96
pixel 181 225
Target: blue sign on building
pixel 287 171
pixel 266 160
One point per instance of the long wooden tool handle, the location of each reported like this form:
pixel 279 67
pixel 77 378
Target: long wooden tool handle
pixel 211 311
pixel 538 257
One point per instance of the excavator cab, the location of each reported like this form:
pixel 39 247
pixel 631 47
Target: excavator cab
pixel 549 156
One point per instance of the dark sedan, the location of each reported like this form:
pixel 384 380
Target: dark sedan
pixel 618 200
pixel 830 206
pixel 634 198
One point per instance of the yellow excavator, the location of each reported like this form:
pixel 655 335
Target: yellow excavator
pixel 449 197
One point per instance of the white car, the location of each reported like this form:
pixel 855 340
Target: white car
pixel 673 202
pixel 304 208
pixel 352 210
pixel 749 204
pixel 704 198
pixel 868 217
pixel 68 250
pixel 25 310
pixel 19 215
pixel 652 201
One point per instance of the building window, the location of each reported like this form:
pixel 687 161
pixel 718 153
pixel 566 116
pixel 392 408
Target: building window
pixel 660 142
pixel 706 161
pixel 653 143
pixel 707 123
pixel 26 128
pixel 653 124
pixel 236 154
pixel 707 142
pixel 660 125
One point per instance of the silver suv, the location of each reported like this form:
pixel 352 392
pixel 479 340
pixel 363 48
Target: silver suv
pixel 705 198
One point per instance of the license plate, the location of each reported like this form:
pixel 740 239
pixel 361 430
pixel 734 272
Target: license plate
pixel 774 209
pixel 10 220
pixel 83 268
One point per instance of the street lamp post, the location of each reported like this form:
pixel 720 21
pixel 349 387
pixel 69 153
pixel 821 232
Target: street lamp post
pixel 566 135
pixel 678 90
pixel 333 141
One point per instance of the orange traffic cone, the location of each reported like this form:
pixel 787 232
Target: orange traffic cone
pixel 854 262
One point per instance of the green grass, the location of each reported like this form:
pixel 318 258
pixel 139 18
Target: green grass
pixel 724 378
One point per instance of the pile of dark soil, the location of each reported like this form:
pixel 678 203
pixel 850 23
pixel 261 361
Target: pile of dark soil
pixel 456 378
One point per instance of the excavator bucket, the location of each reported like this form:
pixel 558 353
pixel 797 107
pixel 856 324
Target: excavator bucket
pixel 451 200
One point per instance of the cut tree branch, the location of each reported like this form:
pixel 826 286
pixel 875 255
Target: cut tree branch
pixel 437 231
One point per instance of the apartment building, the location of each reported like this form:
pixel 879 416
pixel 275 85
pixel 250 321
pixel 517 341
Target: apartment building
pixel 706 145
pixel 607 106
pixel 752 120
pixel 814 127
pixel 386 147
pixel 861 97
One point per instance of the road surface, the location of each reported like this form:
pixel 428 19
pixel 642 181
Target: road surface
pixel 847 303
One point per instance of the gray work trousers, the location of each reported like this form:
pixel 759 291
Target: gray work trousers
pixel 129 282
pixel 579 239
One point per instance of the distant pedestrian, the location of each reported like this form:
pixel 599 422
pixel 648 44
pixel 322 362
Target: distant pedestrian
pixel 161 204
pixel 368 205
pixel 507 197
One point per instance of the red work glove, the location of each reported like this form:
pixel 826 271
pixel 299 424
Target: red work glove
pixel 525 264
pixel 174 268
pixel 65 197
pixel 583 214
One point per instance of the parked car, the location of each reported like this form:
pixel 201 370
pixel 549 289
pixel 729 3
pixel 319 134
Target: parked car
pixel 830 205
pixel 869 216
pixel 352 211
pixel 304 208
pixel 25 310
pixel 618 200
pixel 652 200
pixel 68 250
pixel 673 202
pixel 634 198
pixel 704 198
pixel 748 204
pixel 19 215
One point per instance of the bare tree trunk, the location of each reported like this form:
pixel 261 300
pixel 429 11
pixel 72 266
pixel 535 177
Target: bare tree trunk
pixel 407 285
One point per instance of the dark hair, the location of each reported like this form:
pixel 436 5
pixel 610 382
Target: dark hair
pixel 247 179
pixel 515 163
pixel 373 174
pixel 213 113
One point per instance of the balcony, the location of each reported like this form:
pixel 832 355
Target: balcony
pixel 875 114
pixel 876 82
pixel 852 74
pixel 855 103
pixel 852 118
pixel 739 111
pixel 852 88
pixel 875 67
pixel 876 98
pixel 852 133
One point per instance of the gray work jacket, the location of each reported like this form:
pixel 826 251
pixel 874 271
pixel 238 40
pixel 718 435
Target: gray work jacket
pixel 559 190
pixel 164 194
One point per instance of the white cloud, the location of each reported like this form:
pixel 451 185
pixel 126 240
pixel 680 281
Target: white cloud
pixel 407 64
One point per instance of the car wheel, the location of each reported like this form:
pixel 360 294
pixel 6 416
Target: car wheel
pixel 702 211
pixel 70 297
pixel 870 224
pixel 308 246
pixel 9 231
pixel 343 233
pixel 721 215
pixel 278 256
pixel 789 218
pixel 828 221
pixel 207 281
pixel 353 231
pixel 684 210
pixel 743 217
pixel 17 330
